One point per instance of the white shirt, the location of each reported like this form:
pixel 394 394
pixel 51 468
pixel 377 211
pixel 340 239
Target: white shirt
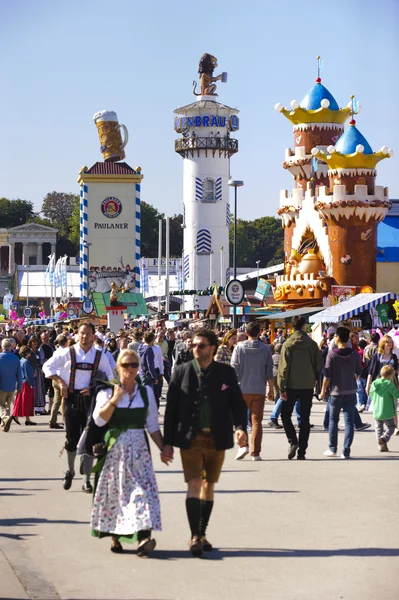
pixel 158 358
pixel 60 364
pixel 104 396
pixel 109 356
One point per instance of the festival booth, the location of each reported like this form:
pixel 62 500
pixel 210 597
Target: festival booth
pixel 283 319
pixel 363 311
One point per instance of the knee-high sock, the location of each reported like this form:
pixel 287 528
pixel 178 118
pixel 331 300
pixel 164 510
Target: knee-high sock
pixel 193 507
pixel 206 509
pixel 87 465
pixel 71 461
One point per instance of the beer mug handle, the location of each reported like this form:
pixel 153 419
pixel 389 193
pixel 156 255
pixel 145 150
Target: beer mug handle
pixel 125 135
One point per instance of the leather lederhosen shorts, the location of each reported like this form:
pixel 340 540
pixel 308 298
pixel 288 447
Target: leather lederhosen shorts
pixel 202 459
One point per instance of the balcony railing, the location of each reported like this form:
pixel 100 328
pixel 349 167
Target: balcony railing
pixel 222 145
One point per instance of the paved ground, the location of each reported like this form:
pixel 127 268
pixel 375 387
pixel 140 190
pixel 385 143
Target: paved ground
pixel 324 529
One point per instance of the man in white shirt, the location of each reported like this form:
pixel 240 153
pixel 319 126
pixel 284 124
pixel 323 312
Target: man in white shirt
pixel 99 345
pixel 74 369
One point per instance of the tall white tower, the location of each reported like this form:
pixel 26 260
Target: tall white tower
pixel 206 144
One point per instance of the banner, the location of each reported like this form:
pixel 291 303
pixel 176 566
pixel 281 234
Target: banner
pixel 179 274
pixel 340 293
pixel 144 274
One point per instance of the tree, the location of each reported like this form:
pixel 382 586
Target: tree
pixel 176 235
pixel 74 222
pixel 58 207
pixel 15 212
pixel 149 230
pixel 261 239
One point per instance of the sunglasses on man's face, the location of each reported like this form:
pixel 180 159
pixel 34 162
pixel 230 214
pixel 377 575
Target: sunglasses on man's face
pixel 132 365
pixel 199 346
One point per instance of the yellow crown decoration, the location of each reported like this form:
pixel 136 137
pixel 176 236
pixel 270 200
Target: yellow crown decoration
pixel 352 151
pixel 318 106
pixel 299 115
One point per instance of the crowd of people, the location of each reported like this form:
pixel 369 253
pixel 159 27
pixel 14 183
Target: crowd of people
pixel 104 390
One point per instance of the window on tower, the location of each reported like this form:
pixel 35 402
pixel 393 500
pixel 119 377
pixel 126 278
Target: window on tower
pixel 208 190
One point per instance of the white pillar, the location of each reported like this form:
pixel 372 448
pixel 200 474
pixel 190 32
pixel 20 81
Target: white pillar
pixel 39 259
pixel 24 254
pixel 211 268
pixel 167 252
pixel 52 248
pixel 11 258
pixel 222 273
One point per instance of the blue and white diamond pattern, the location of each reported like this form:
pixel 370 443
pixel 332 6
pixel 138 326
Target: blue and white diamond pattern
pixel 204 242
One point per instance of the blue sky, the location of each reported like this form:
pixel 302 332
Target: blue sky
pixel 64 61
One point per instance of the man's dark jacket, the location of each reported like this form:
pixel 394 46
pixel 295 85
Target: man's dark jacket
pixel 225 397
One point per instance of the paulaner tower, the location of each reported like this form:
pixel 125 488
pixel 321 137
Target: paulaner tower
pixel 206 144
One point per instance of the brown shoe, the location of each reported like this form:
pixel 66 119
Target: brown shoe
pixel 383 445
pixel 195 546
pixel 206 546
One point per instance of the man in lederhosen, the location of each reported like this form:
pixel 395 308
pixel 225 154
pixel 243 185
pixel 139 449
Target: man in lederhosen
pixel 74 369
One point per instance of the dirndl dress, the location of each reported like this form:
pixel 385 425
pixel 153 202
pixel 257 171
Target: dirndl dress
pixel 40 391
pixel 125 498
pixel 24 402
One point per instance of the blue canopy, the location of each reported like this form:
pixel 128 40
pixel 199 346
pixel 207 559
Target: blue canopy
pixel 388 240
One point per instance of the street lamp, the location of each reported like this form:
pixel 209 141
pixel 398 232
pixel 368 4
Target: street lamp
pixel 257 266
pixel 235 184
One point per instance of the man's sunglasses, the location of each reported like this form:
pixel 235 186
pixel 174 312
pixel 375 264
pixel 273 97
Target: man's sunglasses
pixel 132 365
pixel 199 346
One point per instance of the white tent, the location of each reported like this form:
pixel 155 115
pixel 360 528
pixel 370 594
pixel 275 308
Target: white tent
pixel 350 308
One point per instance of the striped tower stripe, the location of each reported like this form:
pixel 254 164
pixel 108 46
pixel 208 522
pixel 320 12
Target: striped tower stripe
pixel 204 242
pixel 138 236
pixel 186 266
pixel 84 267
pixel 198 189
pixel 218 189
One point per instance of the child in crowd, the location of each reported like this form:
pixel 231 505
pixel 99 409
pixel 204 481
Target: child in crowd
pixel 384 394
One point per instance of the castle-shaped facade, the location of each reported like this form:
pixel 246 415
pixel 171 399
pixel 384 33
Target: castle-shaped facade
pixel 330 218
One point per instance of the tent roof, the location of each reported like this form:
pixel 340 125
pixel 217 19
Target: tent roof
pixel 350 308
pixel 289 314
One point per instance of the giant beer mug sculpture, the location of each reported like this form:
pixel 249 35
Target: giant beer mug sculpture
pixel 109 132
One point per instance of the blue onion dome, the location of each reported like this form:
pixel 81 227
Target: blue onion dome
pixel 314 97
pixel 350 140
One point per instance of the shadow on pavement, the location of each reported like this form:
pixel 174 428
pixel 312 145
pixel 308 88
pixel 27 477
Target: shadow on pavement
pixel 165 472
pixel 236 492
pixel 223 553
pixel 28 522
pixel 30 479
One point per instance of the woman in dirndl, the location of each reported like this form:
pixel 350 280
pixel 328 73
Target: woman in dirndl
pixel 125 500
pixel 40 391
pixel 24 400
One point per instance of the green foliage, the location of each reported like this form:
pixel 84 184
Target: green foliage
pixel 74 222
pixel 15 212
pixel 176 236
pixel 261 239
pixel 58 208
pixel 149 228
pixel 41 221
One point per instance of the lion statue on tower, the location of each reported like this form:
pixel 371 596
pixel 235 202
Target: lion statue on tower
pixel 206 67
